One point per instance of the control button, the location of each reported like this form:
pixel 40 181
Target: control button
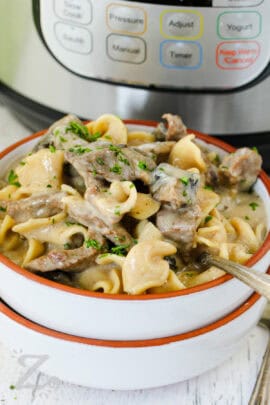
pixel 236 3
pixel 181 54
pixel 126 19
pixel 78 11
pixel 245 25
pixel 181 24
pixel 126 49
pixel 237 55
pixel 74 39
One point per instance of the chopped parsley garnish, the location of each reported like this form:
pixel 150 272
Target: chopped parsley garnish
pixel 49 186
pixel 121 158
pixel 13 179
pixel 117 211
pixel 208 218
pixel 78 129
pixel 115 149
pixel 108 137
pixel 255 149
pixel 56 132
pixel 247 218
pixel 12 387
pixel 62 139
pixel 116 169
pixel 103 255
pixel 184 193
pixel 120 250
pixel 224 167
pixel 184 180
pixel 3 209
pixel 100 161
pixel 67 246
pixel 92 243
pixel 52 148
pixel 22 163
pixel 131 185
pixel 142 165
pixel 69 223
pixel 253 206
pixel 94 137
pixel 80 150
pixel 217 159
pixel 208 188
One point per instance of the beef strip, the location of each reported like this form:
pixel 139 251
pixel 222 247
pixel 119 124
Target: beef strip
pixel 173 130
pixel 66 260
pixel 175 187
pixel 58 136
pixel 179 226
pixel 240 169
pixel 84 213
pixel 111 162
pixel 39 206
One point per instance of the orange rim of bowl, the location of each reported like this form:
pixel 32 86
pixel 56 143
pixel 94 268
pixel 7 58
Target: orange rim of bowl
pixel 125 297
pixel 130 343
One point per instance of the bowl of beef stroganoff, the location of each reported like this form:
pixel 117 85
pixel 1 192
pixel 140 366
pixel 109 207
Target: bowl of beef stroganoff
pixel 100 223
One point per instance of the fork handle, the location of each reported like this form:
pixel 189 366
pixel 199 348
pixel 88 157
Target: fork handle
pixel 260 282
pixel 261 392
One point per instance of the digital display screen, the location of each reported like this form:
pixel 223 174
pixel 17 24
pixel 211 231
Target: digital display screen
pixel 192 3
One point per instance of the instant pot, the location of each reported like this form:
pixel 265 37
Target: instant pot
pixel 206 60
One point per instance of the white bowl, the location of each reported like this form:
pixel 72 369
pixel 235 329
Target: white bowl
pixel 131 364
pixel 123 317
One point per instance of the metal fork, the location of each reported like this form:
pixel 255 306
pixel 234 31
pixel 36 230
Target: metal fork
pixel 261 391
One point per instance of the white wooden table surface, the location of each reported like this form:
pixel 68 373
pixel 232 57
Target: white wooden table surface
pixel 229 384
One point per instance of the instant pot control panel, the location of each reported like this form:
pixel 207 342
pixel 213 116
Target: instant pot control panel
pixel 219 44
